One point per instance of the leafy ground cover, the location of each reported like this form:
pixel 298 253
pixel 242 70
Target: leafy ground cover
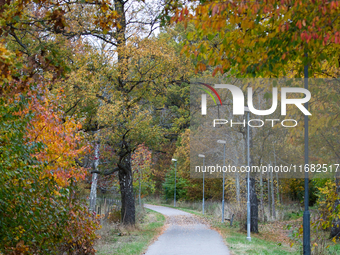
pixel 119 240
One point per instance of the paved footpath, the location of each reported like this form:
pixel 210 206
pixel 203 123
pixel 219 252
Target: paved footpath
pixel 186 234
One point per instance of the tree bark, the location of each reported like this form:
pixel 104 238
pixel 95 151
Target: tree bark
pixel 273 194
pixel 254 207
pixel 278 188
pixel 140 188
pixel 93 194
pixel 125 171
pixel 335 229
pixel 269 196
pixel 261 198
pixel 254 211
pixel 277 177
pixel 237 188
pixel 126 190
pixel 237 183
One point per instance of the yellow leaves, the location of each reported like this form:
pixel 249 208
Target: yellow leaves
pixel 63 142
pixel 6 63
pixel 334 239
pixel 104 7
pixel 247 24
pixel 269 27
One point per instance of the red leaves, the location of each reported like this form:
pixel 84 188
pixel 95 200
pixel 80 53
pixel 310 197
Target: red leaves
pixel 334 4
pixel 201 67
pixel 218 68
pixel 182 14
pixel 246 34
pixel 299 24
pixel 337 38
pixel 304 36
pixel 215 10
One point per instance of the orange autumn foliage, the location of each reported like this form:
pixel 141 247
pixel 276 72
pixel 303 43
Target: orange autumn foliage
pixel 63 141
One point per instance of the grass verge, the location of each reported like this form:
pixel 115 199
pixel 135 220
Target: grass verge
pixel 120 240
pixel 237 240
pixel 274 236
pixel 238 243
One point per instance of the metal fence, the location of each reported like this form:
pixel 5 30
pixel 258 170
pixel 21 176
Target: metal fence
pixel 105 203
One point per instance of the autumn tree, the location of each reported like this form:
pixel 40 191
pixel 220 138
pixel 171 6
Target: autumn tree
pixel 141 164
pixel 261 38
pixel 132 107
pixel 38 167
pixel 39 212
pixel 281 32
pixel 141 111
pixel 35 30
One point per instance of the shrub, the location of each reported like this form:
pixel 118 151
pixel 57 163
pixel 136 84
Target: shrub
pixel 115 215
pixel 37 216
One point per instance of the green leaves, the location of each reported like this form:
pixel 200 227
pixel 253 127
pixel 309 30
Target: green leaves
pixel 169 186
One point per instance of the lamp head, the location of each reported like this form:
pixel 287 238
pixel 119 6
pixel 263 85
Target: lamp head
pixel 221 141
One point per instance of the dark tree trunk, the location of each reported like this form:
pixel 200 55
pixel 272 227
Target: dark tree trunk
pixel 335 229
pixel 254 209
pixel 254 206
pixel 126 190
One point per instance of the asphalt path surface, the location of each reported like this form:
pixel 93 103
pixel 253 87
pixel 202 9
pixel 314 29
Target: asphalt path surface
pixel 185 234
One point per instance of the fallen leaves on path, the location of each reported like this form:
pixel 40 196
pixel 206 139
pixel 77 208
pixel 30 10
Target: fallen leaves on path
pixel 185 220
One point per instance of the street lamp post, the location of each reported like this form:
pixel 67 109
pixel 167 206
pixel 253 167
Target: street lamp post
pixel 246 109
pixel 223 142
pixel 202 156
pixel 175 181
pixel 306 214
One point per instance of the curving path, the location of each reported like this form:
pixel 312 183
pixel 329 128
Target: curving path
pixel 185 235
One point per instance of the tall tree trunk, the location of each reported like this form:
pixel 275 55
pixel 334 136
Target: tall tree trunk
pixel 140 188
pixel 273 194
pixel 93 194
pixel 254 207
pixel 278 188
pixel 269 196
pixel 261 197
pixel 126 190
pixel 277 177
pixel 237 188
pixel 125 171
pixel 237 183
pixel 254 211
pixel 335 229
